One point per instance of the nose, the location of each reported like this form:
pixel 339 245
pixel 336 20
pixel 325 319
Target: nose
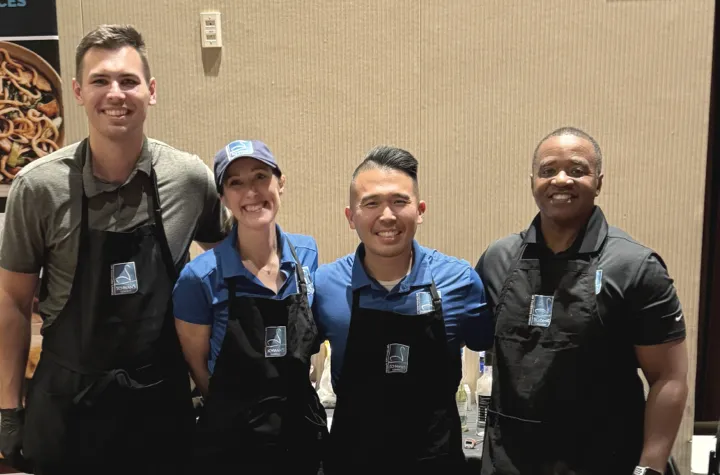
pixel 115 91
pixel 387 215
pixel 252 190
pixel 562 179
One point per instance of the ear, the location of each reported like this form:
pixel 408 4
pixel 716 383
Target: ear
pixel 599 184
pixel 224 201
pixel 422 207
pixel 76 87
pixel 349 217
pixel 152 86
pixel 281 184
pixel 532 182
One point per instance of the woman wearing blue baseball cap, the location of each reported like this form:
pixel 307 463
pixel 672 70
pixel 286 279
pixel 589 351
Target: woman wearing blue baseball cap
pixel 244 322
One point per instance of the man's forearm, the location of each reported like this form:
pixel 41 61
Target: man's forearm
pixel 201 375
pixel 663 414
pixel 14 347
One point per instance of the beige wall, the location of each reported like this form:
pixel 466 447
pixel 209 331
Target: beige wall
pixel 468 86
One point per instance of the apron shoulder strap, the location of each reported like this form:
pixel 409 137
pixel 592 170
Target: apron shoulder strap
pixel 437 302
pixel 299 273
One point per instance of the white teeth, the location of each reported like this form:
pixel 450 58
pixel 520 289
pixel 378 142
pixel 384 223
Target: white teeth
pixel 253 208
pixel 562 197
pixel 388 233
pixel 115 112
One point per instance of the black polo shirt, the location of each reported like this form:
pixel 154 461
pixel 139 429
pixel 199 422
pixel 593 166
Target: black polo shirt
pixel 637 299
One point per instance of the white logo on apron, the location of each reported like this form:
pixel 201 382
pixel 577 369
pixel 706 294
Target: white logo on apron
pixel 124 278
pixel 541 310
pixel 396 358
pixel 275 342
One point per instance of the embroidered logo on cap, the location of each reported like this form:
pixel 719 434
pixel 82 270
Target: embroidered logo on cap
pixel 541 310
pixel 598 281
pixel 396 358
pixel 275 342
pixel 308 280
pixel 239 148
pixel 124 278
pixel 424 302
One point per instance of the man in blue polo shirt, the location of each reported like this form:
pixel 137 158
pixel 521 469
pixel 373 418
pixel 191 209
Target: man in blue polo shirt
pixel 396 315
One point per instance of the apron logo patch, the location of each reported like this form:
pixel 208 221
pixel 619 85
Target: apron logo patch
pixel 124 278
pixel 308 281
pixel 541 310
pixel 424 303
pixel 598 281
pixel 275 342
pixel 396 358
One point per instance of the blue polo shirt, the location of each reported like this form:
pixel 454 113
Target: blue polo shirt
pixel 467 319
pixel 201 294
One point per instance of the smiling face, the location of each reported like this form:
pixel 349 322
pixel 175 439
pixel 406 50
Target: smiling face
pixel 384 211
pixel 114 92
pixel 252 193
pixel 566 179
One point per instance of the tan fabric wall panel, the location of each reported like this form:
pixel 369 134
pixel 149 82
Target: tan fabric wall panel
pixel 469 87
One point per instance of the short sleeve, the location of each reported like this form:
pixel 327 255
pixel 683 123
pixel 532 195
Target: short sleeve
pixel 191 298
pixel 476 322
pixel 23 237
pixel 480 270
pixel 655 309
pixel 211 224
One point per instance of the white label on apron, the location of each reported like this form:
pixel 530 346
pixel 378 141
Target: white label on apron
pixel 541 310
pixel 396 358
pixel 308 281
pixel 275 342
pixel 124 278
pixel 598 281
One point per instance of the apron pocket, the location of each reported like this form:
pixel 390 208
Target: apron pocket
pixel 541 385
pixel 45 438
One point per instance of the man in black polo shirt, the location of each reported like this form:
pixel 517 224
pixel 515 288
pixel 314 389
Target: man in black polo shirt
pixel 579 306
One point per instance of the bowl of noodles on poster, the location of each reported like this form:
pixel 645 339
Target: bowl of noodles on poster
pixel 31 112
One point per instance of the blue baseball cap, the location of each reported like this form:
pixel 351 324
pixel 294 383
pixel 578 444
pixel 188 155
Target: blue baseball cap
pixel 239 149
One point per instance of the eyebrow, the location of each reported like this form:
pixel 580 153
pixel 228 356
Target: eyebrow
pixel 106 75
pixel 380 196
pixel 254 169
pixel 552 160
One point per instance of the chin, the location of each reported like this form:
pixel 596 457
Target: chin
pixel 388 251
pixel 565 216
pixel 257 223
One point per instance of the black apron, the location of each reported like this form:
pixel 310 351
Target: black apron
pixel 564 399
pixel 396 395
pixel 111 393
pixel 262 414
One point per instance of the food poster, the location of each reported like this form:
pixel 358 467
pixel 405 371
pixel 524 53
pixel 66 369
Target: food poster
pixel 31 108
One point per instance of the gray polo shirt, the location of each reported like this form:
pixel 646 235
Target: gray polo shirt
pixel 44 210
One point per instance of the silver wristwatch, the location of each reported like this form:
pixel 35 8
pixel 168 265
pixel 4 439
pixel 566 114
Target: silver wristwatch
pixel 646 471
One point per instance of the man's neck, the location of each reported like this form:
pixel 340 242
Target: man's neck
pixel 387 269
pixel 560 236
pixel 113 161
pixel 257 246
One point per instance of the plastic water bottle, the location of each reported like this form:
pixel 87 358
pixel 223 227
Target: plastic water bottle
pixel 461 399
pixel 482 395
pixel 462 396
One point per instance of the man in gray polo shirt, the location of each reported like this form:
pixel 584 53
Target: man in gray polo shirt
pixel 579 306
pixel 109 220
